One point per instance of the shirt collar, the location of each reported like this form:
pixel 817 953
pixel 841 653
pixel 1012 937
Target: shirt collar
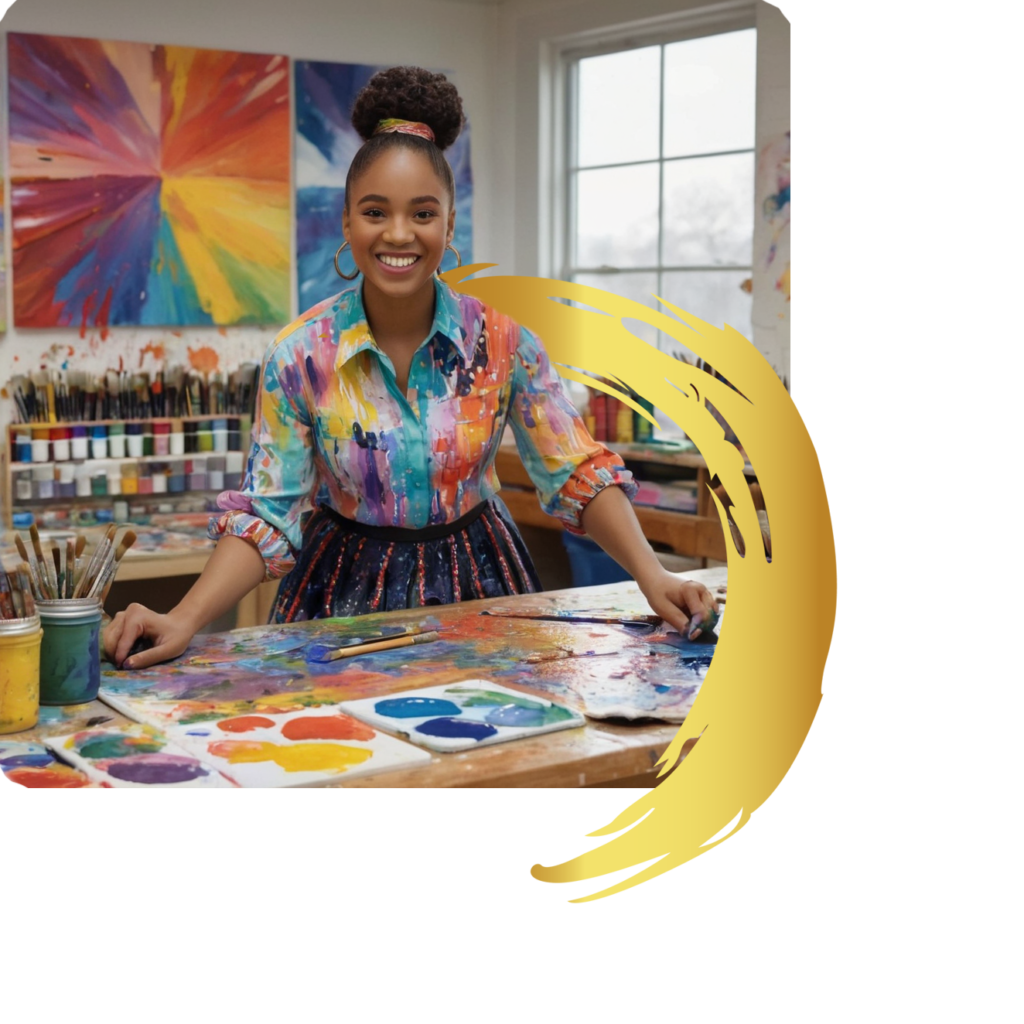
pixel 354 332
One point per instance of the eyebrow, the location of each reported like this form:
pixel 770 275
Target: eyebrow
pixel 372 198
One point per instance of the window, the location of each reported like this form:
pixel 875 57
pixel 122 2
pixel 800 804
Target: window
pixel 660 175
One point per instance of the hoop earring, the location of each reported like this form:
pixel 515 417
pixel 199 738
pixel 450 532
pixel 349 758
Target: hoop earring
pixel 458 256
pixel 346 277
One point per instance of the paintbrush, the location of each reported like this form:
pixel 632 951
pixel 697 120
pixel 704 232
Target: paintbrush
pixel 57 574
pixel 89 576
pixel 406 640
pixel 30 563
pixel 609 618
pixel 44 575
pixel 69 568
pixel 25 586
pixel 106 581
pixel 6 596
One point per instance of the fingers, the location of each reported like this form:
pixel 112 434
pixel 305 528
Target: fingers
pixel 112 634
pixel 133 627
pixel 153 656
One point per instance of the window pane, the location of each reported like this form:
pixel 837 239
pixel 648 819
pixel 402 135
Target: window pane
pixel 617 217
pixel 715 296
pixel 709 211
pixel 619 106
pixel 709 93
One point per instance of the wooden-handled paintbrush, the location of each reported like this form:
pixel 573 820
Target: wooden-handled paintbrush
pixel 106 581
pixel 406 640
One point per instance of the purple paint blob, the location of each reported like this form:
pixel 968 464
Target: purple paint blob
pixel 457 729
pixel 155 769
pixel 415 707
pixel 30 760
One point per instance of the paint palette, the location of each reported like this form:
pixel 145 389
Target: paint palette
pixel 134 756
pixel 33 766
pixel 297 748
pixel 463 715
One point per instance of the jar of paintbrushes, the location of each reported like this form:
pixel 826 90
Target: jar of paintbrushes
pixel 69 592
pixel 20 636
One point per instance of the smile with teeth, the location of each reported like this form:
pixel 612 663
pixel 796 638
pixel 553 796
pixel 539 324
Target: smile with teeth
pixel 397 261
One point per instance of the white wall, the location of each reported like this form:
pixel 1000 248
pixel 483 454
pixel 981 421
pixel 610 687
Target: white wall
pixel 840 65
pixel 442 34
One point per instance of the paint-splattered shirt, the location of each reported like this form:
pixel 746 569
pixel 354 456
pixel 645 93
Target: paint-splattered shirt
pixel 332 427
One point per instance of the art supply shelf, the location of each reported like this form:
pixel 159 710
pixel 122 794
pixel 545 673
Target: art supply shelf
pixel 80 473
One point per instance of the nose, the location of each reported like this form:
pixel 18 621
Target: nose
pixel 399 231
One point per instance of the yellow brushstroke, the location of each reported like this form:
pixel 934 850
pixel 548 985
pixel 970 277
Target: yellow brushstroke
pixel 248 219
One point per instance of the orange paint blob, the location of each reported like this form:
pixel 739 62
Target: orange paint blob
pixel 154 349
pixel 326 727
pixel 302 757
pixel 245 723
pixel 203 359
pixel 56 776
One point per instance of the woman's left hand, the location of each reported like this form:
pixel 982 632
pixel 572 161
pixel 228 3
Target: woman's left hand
pixel 684 604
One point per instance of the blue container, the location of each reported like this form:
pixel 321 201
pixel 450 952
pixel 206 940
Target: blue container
pixel 590 566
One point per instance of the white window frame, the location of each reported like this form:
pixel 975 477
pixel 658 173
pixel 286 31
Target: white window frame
pixel 557 157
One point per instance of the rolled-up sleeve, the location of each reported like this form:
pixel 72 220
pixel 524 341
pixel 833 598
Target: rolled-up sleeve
pixel 280 475
pixel 567 466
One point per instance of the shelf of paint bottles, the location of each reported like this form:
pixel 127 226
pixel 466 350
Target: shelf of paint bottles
pixel 50 467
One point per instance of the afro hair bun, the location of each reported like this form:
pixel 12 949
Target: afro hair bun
pixel 413 94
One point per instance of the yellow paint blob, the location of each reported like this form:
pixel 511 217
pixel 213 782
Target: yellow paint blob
pixel 298 757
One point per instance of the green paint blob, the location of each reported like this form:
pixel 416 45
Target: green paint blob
pixel 97 748
pixel 488 698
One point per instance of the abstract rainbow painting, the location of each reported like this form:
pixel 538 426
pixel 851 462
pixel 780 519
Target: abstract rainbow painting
pixel 150 185
pixel 325 143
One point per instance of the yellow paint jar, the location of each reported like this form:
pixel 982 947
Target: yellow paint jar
pixel 19 673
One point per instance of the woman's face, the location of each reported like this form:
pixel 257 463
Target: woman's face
pixel 397 221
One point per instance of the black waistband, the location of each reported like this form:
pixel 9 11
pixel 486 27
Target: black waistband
pixel 400 534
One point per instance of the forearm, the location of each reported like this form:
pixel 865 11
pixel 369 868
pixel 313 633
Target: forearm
pixel 610 520
pixel 234 568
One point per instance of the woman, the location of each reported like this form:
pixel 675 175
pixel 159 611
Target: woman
pixel 370 484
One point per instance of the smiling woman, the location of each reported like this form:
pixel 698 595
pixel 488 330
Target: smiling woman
pixel 370 484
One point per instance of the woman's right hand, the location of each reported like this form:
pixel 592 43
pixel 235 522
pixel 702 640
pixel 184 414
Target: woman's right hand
pixel 167 637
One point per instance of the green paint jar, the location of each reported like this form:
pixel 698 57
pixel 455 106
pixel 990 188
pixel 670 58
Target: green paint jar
pixel 69 660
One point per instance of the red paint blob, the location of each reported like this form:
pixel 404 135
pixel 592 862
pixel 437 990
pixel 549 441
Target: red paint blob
pixel 324 727
pixel 57 777
pixel 246 723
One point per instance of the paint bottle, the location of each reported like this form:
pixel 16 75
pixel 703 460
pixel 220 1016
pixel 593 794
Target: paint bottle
pixel 234 435
pixel 190 438
pixel 79 443
pixel 113 478
pixel 176 481
pixel 23 485
pixel 43 482
pixel 197 478
pixel 220 435
pixel 134 440
pixel 69 658
pixel 176 445
pixel 120 511
pixel 215 472
pixel 40 444
pixel 233 463
pixel 130 478
pixel 118 446
pixel 19 673
pixel 98 435
pixel 83 480
pixel 61 438
pixel 161 438
pixel 99 481
pixel 21 441
pixel 158 474
pixel 147 439
pixel 66 480
pixel 145 479
pixel 204 436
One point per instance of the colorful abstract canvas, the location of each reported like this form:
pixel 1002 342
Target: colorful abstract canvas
pixel 305 748
pixel 465 715
pixel 325 143
pixel 133 757
pixel 150 185
pixel 33 766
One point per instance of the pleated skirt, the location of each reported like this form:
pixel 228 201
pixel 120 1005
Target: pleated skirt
pixel 346 568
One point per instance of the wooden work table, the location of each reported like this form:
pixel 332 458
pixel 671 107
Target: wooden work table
pixel 601 753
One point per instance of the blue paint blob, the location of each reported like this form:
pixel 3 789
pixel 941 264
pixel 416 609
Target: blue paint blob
pixel 415 707
pixel 198 732
pixel 662 689
pixel 26 760
pixel 457 729
pixel 511 714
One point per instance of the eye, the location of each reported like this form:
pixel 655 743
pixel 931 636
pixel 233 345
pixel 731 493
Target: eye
pixel 425 214
pixel 373 212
